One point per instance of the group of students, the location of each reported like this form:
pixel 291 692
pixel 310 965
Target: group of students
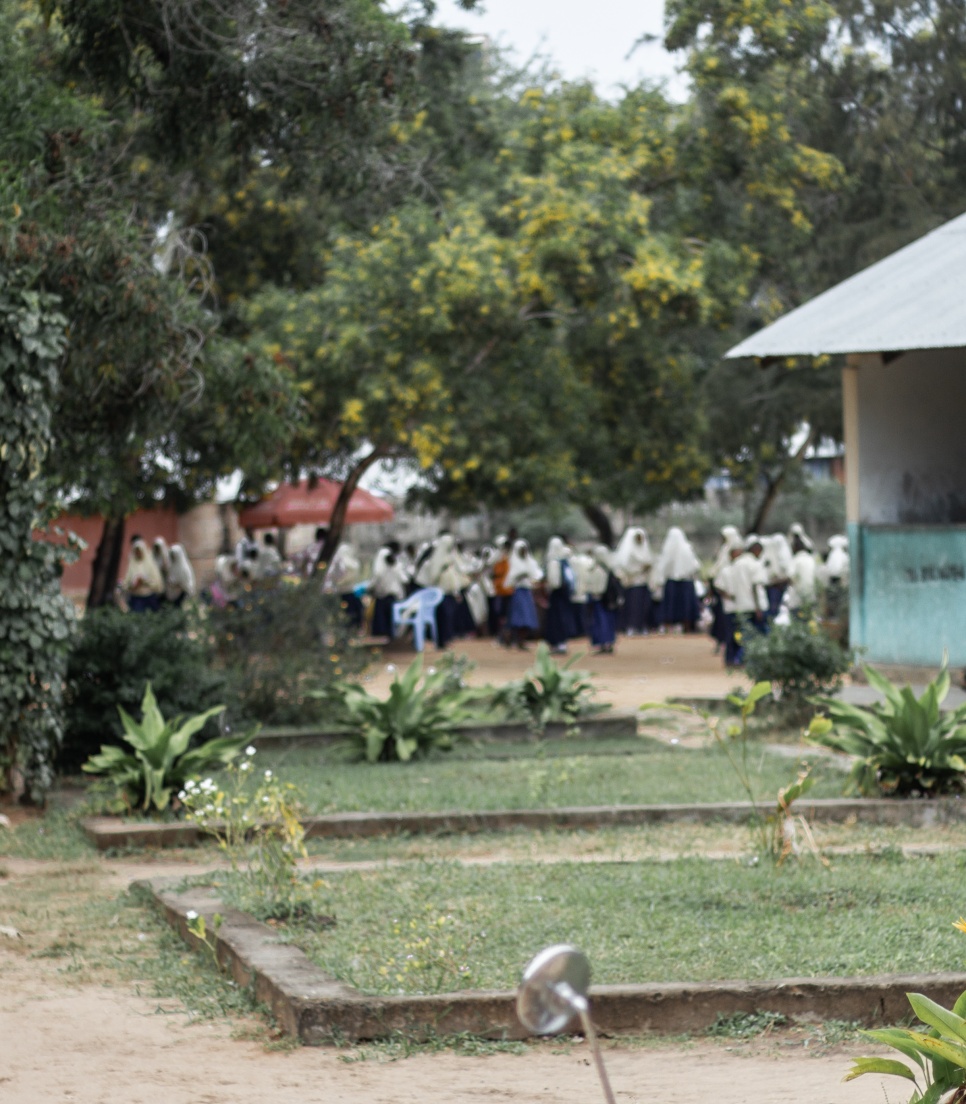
pixel 759 581
pixel 504 591
pixel 156 576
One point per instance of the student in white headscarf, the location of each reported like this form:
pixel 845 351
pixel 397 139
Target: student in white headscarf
pixel 776 559
pixel 721 627
pixel 388 586
pixel 181 577
pixel 522 576
pixel 561 624
pixel 437 567
pixel 606 598
pixel 797 531
pixel 632 565
pixel 679 565
pixel 803 577
pixel 269 557
pixel 742 588
pixel 342 578
pixel 162 557
pixel 142 583
pixel 583 564
pixel 835 574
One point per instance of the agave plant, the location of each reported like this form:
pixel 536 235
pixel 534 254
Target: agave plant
pixel 421 713
pixel 161 762
pixel 902 745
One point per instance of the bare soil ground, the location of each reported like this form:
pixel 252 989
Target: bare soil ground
pixel 96 1041
pixel 642 669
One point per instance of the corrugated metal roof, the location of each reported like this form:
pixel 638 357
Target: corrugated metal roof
pixel 912 299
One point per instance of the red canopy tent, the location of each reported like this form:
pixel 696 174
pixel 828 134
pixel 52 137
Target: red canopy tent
pixel 297 504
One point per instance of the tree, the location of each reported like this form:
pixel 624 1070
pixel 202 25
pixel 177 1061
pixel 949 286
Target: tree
pixel 519 340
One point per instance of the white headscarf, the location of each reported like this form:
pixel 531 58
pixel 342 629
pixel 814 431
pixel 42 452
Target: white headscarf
pixel 143 576
pixel 731 539
pixel 633 557
pixel 524 570
pixel 796 530
pixel 162 556
pixel 181 577
pixel 441 554
pixel 678 559
pixel 557 550
pixel 837 564
pixel 777 557
pixel 344 569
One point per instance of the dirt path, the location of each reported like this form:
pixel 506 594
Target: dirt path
pixel 642 669
pixel 88 1045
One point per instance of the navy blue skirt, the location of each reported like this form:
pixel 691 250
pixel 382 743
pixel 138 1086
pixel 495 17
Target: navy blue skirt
pixel 561 625
pixel 382 616
pixel 603 625
pixel 635 614
pixel 680 604
pixel 523 610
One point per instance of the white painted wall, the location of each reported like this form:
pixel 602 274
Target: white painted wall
pixel 911 423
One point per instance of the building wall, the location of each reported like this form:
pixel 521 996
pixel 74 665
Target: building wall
pixel 912 443
pixel 906 502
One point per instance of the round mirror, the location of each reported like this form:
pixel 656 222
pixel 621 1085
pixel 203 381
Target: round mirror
pixel 554 989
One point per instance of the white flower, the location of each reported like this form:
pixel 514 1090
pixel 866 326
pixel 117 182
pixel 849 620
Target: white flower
pixel 268 774
pixel 182 794
pixel 249 750
pixel 191 915
pixel 246 766
pixel 390 668
pixel 431 671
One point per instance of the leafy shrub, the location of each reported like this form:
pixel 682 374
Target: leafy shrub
pixel 420 714
pixel 548 693
pixel 281 638
pixel 904 745
pixel 162 761
pixel 113 657
pixel 799 660
pixel 939 1051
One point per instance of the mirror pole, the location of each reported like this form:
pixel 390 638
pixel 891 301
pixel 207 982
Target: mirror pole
pixel 581 1005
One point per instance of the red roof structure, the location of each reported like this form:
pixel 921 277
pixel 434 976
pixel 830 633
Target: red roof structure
pixel 298 504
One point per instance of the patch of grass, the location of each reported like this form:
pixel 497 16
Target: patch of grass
pixel 688 920
pixel 745 1025
pixel 55 835
pixel 398 1046
pixel 551 774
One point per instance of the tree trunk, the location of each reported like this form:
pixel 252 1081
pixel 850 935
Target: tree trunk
pixel 337 521
pixel 774 485
pixel 107 563
pixel 601 522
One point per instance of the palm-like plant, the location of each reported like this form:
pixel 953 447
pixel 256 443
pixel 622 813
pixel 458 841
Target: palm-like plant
pixel 904 744
pixel 416 717
pixel 161 762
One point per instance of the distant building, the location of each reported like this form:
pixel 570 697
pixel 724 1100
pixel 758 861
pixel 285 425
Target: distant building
pixel 901 325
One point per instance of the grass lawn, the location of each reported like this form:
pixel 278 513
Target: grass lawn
pixel 437 926
pixel 551 773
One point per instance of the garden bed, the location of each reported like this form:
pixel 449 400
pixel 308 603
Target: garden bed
pixel 309 1005
pixel 602 726
pixel 115 833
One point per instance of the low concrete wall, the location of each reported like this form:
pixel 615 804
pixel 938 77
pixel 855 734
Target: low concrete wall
pixel 108 833
pixel 317 1010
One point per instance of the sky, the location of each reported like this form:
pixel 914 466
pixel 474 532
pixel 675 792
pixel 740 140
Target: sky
pixel 583 38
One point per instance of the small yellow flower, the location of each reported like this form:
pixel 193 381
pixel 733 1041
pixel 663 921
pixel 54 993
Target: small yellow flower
pixel 960 923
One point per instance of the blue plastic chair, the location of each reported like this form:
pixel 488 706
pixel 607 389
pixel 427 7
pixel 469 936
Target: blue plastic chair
pixel 417 612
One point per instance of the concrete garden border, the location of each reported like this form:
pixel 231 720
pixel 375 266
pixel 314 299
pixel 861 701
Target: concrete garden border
pixel 603 726
pixel 108 833
pixel 318 1010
